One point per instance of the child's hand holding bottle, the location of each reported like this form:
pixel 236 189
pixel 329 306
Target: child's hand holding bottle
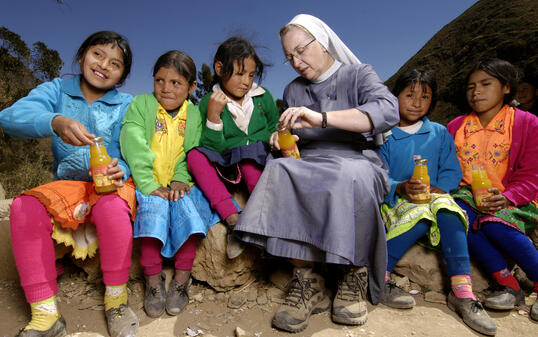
pixel 215 106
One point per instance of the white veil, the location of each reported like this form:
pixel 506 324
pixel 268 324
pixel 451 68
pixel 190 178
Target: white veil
pixel 327 37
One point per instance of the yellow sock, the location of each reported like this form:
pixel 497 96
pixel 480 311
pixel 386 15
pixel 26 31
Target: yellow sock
pixel 115 296
pixel 44 314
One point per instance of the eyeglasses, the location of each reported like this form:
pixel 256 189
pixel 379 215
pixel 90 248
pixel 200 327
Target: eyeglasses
pixel 299 50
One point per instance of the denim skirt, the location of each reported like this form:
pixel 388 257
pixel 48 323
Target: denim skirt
pixel 172 222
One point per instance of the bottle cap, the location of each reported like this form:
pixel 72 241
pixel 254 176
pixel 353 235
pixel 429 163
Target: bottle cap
pixel 280 127
pixel 98 139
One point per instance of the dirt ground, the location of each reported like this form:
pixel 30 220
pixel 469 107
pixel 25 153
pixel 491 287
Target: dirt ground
pixel 208 314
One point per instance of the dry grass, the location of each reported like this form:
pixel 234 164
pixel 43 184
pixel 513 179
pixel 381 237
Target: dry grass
pixel 24 164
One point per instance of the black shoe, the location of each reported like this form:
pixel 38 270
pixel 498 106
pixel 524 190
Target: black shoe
pixel 395 297
pixel 473 314
pixel 154 298
pixel 177 297
pixel 504 298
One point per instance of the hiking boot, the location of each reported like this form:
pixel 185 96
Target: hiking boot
pixel 504 298
pixel 234 246
pixel 349 304
pixel 534 310
pixel 121 322
pixel 56 330
pixel 154 298
pixel 395 297
pixel 306 296
pixel 473 314
pixel 177 297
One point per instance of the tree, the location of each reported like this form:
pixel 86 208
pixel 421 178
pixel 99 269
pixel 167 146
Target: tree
pixel 46 63
pixel 205 83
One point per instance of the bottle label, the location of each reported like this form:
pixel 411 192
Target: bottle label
pixel 292 152
pixel 100 179
pixel 480 194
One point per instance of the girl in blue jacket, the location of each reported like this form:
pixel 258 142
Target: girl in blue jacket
pixel 440 219
pixel 74 111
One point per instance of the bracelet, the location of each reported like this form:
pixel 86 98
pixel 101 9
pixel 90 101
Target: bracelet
pixel 323 120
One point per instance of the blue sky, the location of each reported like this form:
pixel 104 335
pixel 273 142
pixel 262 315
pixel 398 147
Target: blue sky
pixel 384 33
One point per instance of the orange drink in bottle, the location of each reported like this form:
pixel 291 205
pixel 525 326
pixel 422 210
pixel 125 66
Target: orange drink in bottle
pixel 420 173
pixel 99 160
pixel 480 185
pixel 287 142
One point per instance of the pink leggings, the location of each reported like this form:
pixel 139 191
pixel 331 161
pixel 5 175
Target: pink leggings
pixel 33 248
pixel 208 180
pixel 151 259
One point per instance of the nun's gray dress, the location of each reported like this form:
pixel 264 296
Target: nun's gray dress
pixel 325 206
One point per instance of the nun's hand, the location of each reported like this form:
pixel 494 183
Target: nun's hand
pixel 301 118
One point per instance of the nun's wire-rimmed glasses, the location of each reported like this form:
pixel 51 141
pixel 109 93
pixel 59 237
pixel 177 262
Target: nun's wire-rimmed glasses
pixel 299 50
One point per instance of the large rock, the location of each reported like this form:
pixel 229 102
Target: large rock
pixel 2 192
pixel 213 266
pixel 7 263
pixel 425 267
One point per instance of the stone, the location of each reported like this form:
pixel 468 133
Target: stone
pixel 403 283
pixel 237 300
pixel 211 264
pixel 242 333
pixel 262 297
pixel 434 297
pixel 276 295
pixel 2 192
pixel 424 266
pixel 281 278
pixel 85 334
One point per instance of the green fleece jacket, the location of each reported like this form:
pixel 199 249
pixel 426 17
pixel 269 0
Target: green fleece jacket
pixel 137 130
pixel 262 124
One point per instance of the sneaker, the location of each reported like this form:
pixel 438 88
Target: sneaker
pixel 306 296
pixel 121 322
pixel 234 246
pixel 154 298
pixel 349 304
pixel 504 298
pixel 534 310
pixel 473 314
pixel 395 297
pixel 56 330
pixel 177 297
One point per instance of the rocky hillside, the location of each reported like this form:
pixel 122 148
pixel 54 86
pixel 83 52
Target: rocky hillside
pixel 490 28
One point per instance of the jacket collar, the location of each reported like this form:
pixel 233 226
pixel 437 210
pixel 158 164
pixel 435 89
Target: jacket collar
pixel 397 133
pixel 71 86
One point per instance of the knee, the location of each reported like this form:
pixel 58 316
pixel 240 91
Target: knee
pixel 27 212
pixel 193 156
pixel 111 204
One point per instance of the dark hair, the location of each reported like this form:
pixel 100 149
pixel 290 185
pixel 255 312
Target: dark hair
pixel 502 70
pixel 180 62
pixel 235 48
pixel 417 76
pixel 106 37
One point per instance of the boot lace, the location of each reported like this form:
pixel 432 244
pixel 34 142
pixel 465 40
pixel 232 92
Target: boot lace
pixel 476 306
pixel 353 286
pixel 300 292
pixel 118 312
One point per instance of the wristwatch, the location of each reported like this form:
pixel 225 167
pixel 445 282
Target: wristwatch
pixel 323 120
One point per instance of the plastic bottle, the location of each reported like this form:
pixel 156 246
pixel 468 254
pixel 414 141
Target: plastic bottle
pixel 99 160
pixel 480 185
pixel 287 142
pixel 420 173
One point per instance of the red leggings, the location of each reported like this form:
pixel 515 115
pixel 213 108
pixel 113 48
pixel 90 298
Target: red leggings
pixel 33 248
pixel 208 180
pixel 151 259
